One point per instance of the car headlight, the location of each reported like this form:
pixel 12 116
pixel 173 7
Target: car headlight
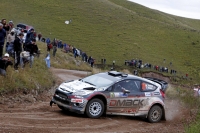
pixel 77 96
pixel 79 93
pixel 100 89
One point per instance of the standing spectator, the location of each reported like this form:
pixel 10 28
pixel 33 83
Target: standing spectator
pixel 64 46
pixel 54 47
pixel 170 63
pixel 198 90
pixel 59 43
pixel 10 40
pixel 43 39
pixel 4 63
pixel 86 57
pixel 2 39
pixel 92 62
pixel 24 58
pixel 18 49
pixel 34 34
pixel 48 41
pixel 74 52
pixel 33 49
pixel 135 72
pixel 11 24
pixel 47 59
pixel 114 64
pixel 29 36
pixel 39 36
pixel 83 56
pixel 5 26
pixel 89 59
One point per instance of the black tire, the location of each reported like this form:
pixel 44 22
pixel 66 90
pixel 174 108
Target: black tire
pixel 95 108
pixel 155 114
pixel 61 107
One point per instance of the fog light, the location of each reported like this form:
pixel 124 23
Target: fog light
pixel 76 104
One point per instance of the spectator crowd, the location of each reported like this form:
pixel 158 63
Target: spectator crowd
pixel 138 63
pixel 21 49
pixel 20 44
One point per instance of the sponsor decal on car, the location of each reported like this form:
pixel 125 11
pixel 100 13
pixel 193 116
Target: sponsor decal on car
pixel 147 94
pixel 156 93
pixel 129 110
pixel 118 94
pixel 129 103
pixel 77 100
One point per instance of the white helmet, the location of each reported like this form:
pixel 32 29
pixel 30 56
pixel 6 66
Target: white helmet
pixel 6 55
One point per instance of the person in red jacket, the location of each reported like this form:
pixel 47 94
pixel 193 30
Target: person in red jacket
pixel 39 36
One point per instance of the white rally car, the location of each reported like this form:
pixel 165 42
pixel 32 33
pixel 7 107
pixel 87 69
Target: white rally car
pixel 112 93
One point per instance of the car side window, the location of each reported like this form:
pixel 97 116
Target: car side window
pixel 147 86
pixel 110 88
pixel 118 87
pixel 131 85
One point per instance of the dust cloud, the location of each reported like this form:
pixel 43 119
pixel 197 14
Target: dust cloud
pixel 173 106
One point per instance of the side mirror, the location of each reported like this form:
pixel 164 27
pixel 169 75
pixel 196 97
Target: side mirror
pixel 126 91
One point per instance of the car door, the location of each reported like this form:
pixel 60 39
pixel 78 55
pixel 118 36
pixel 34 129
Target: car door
pixel 117 99
pixel 136 96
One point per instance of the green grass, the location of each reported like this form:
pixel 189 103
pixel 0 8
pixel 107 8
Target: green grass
pixel 39 76
pixel 186 96
pixel 194 127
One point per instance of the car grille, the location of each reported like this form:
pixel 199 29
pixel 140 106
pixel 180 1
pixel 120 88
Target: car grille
pixel 61 100
pixel 62 95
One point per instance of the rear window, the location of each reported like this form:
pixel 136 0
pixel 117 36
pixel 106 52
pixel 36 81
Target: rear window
pixel 147 86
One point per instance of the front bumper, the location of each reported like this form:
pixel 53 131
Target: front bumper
pixel 68 105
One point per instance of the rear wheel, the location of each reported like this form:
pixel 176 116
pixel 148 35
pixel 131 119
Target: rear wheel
pixel 95 108
pixel 155 114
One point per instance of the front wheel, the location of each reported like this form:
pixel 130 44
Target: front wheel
pixel 61 107
pixel 155 114
pixel 95 108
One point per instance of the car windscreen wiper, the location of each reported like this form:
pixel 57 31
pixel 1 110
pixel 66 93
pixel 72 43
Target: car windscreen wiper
pixel 89 83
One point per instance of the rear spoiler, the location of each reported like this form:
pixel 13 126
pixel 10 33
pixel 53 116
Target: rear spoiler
pixel 163 83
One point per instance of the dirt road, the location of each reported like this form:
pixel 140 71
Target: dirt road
pixel 39 117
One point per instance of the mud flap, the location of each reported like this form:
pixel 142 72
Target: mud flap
pixel 51 102
pixel 163 117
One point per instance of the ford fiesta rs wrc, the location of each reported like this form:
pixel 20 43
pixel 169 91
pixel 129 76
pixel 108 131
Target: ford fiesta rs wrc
pixel 112 93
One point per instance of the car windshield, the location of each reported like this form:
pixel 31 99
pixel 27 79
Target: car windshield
pixel 98 80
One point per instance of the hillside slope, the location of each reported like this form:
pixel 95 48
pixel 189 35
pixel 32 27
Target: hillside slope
pixel 115 30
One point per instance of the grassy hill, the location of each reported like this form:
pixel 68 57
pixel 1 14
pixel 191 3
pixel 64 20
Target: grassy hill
pixel 115 30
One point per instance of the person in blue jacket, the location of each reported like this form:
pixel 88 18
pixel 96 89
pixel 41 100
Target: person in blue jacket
pixel 29 35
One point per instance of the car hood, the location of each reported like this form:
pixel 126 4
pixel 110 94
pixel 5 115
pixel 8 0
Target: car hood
pixel 76 85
